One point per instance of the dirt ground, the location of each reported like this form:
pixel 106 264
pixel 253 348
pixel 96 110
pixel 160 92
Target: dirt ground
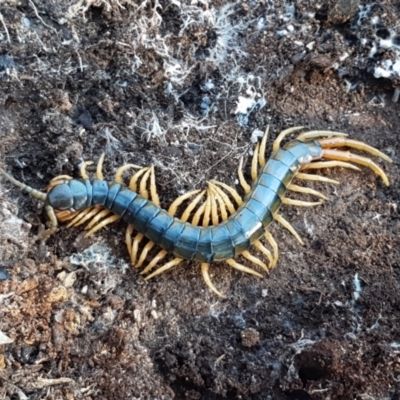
pixel 189 86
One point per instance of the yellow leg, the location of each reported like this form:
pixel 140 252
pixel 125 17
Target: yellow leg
pixel 128 238
pixel 135 248
pixel 144 253
pixel 102 224
pixel 329 164
pixel 214 208
pixel 246 254
pixel 355 144
pixel 97 218
pixel 161 254
pixel 134 179
pixel 282 135
pixel 258 245
pixel 206 277
pixel 65 215
pixel 173 208
pixel 99 168
pixel 288 226
pixel 261 153
pixel 300 203
pixel 79 216
pixel 254 163
pixel 94 211
pixel 230 190
pixel 153 189
pixel 192 205
pixel 221 205
pixel 143 184
pixel 347 156
pixel 240 267
pixel 274 246
pixel 317 134
pixel 62 178
pixel 224 197
pixel 319 178
pixel 246 187
pixel 199 213
pixel 121 170
pixel 165 267
pixel 300 189
pixel 82 169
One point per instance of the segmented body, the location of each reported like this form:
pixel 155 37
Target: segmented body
pixel 204 244
pixel 234 228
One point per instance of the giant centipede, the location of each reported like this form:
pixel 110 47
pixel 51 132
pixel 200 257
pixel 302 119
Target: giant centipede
pixel 217 224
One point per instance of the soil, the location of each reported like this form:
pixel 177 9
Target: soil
pixel 188 86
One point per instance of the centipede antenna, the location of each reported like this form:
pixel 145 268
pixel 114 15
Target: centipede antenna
pixel 309 177
pixel 261 153
pixel 33 192
pixel 282 135
pixel 240 267
pixel 301 203
pixel 206 277
pixel 246 187
pixel 300 189
pixel 254 163
pixel 288 226
pixel 316 134
pixel 347 156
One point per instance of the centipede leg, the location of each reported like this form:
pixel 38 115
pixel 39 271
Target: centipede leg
pixel 300 203
pixel 246 187
pixel 288 226
pixel 99 168
pixel 153 195
pixel 240 267
pixel 309 177
pixel 82 169
pixel 254 163
pixel 268 236
pixel 348 156
pixel 355 144
pixel 206 277
pixel 121 170
pixel 300 189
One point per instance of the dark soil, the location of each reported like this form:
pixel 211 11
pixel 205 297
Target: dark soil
pixel 164 83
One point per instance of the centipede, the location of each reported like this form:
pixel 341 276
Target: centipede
pixel 217 224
